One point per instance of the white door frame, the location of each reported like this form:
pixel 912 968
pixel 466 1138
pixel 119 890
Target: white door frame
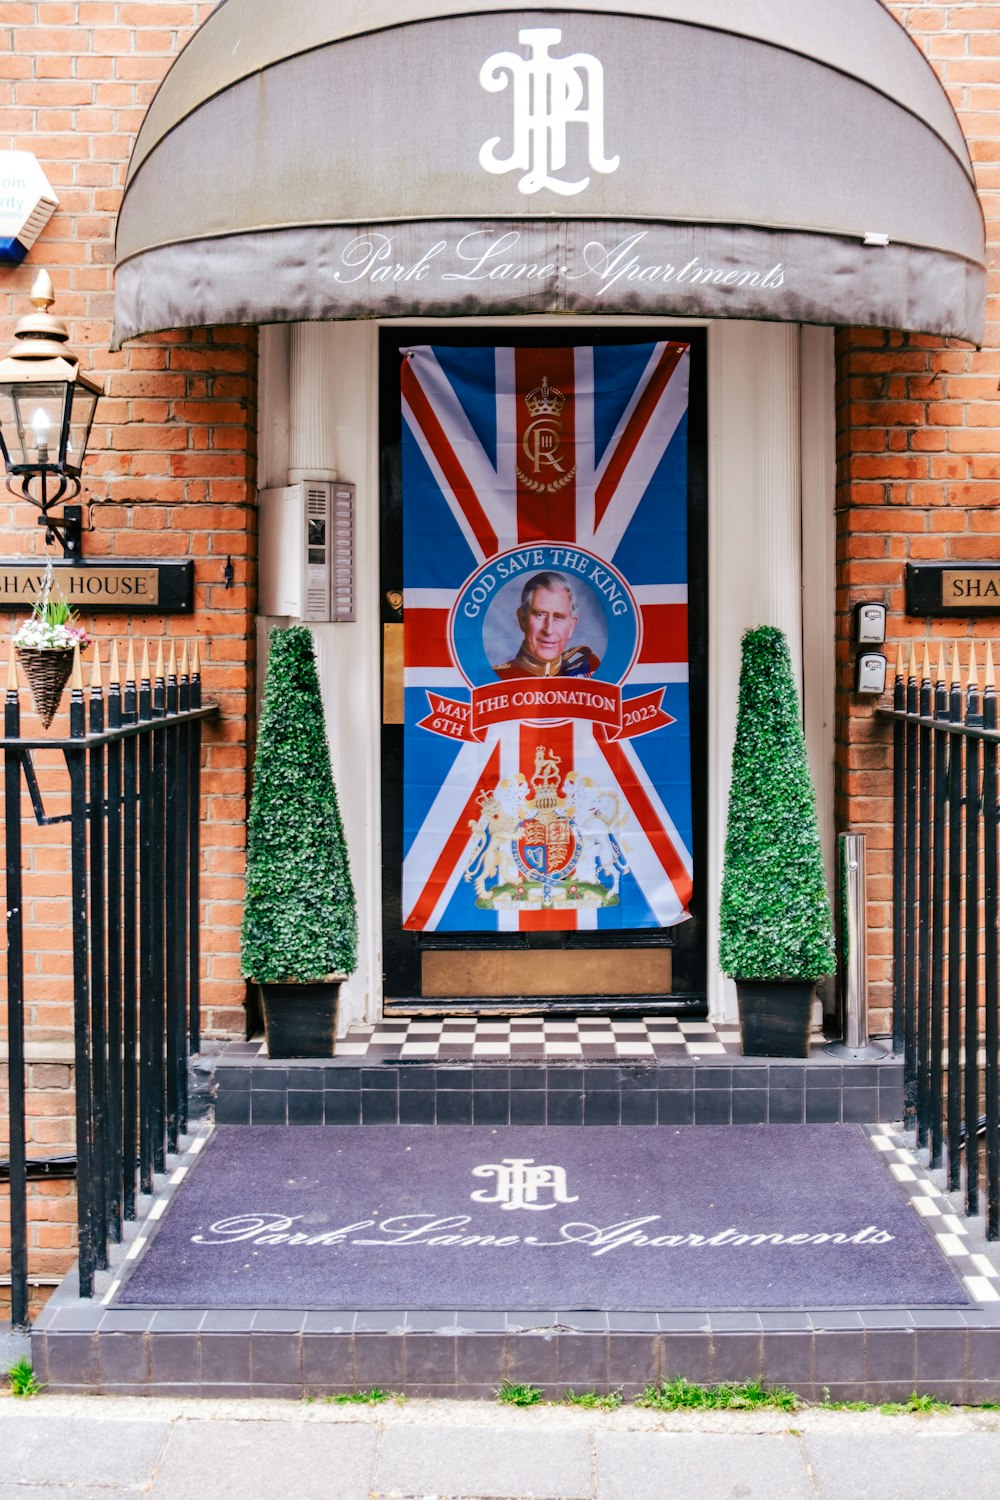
pixel 771 558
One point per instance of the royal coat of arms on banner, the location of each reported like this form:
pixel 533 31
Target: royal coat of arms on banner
pixel 546 745
pixel 547 843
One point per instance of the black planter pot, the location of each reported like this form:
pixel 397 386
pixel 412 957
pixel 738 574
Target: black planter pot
pixel 775 1016
pixel 300 1020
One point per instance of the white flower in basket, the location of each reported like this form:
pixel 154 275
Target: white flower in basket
pixel 44 644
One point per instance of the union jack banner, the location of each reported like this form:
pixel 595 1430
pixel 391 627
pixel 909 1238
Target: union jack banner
pixel 547 776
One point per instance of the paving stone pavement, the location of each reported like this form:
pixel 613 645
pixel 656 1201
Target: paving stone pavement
pixel 121 1448
pixel 13 1346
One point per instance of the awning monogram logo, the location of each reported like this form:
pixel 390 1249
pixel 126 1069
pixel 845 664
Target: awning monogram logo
pixel 550 94
pixel 521 1184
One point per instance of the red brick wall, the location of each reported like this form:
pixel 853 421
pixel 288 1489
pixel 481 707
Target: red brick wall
pixel 173 452
pixel 918 447
pixel 51 1203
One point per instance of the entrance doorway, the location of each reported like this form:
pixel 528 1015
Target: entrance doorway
pixel 502 961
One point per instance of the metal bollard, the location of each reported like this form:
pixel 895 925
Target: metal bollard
pixel 853 958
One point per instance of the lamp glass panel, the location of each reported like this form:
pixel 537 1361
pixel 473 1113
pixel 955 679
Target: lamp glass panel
pixel 81 416
pixel 35 434
pixel 10 432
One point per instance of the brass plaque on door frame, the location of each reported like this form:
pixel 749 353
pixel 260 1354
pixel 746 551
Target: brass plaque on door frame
pixel 392 674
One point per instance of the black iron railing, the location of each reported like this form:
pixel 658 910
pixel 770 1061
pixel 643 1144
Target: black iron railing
pixel 945 955
pixel 133 759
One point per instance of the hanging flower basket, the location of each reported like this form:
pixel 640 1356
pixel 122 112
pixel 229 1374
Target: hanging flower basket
pixel 44 644
pixel 47 673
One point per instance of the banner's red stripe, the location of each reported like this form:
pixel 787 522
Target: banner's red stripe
pixel 637 424
pixel 547 921
pixel 452 851
pixel 664 633
pixel 664 636
pixel 425 638
pixel 556 739
pixel 450 466
pixel 546 515
pixel 648 820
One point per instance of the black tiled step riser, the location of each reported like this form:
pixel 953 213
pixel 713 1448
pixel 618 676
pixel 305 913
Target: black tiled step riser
pixel 741 1095
pixel 594 1077
pixel 961 1365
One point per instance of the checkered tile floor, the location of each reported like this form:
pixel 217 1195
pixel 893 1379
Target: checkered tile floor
pixel 595 1037
pixel 979 1271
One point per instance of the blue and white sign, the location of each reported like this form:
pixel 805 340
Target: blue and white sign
pixel 27 202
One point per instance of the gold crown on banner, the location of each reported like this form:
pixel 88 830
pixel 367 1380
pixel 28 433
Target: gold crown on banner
pixel 546 798
pixel 546 780
pixel 545 400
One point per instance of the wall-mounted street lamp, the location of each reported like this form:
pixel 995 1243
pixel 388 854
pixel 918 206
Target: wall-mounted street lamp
pixel 46 411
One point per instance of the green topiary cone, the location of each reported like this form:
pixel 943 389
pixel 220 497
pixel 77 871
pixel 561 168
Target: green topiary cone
pixel 300 917
pixel 775 920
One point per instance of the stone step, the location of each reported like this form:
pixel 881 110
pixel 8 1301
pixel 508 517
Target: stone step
pixel 870 1357
pixel 850 1353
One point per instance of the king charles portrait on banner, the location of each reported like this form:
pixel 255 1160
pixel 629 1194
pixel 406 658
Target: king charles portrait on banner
pixel 547 617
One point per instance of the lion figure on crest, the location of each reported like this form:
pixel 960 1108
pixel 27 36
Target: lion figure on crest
pixel 492 856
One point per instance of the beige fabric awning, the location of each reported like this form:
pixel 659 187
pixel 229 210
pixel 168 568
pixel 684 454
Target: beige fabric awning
pixel 789 159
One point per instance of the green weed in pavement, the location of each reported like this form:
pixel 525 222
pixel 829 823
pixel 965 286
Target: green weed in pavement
pixel 22 1379
pixel 683 1395
pixel 513 1393
pixel 913 1403
pixel 376 1396
pixel 594 1400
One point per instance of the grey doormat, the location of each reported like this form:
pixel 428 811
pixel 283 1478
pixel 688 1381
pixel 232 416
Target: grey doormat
pixel 427 1217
